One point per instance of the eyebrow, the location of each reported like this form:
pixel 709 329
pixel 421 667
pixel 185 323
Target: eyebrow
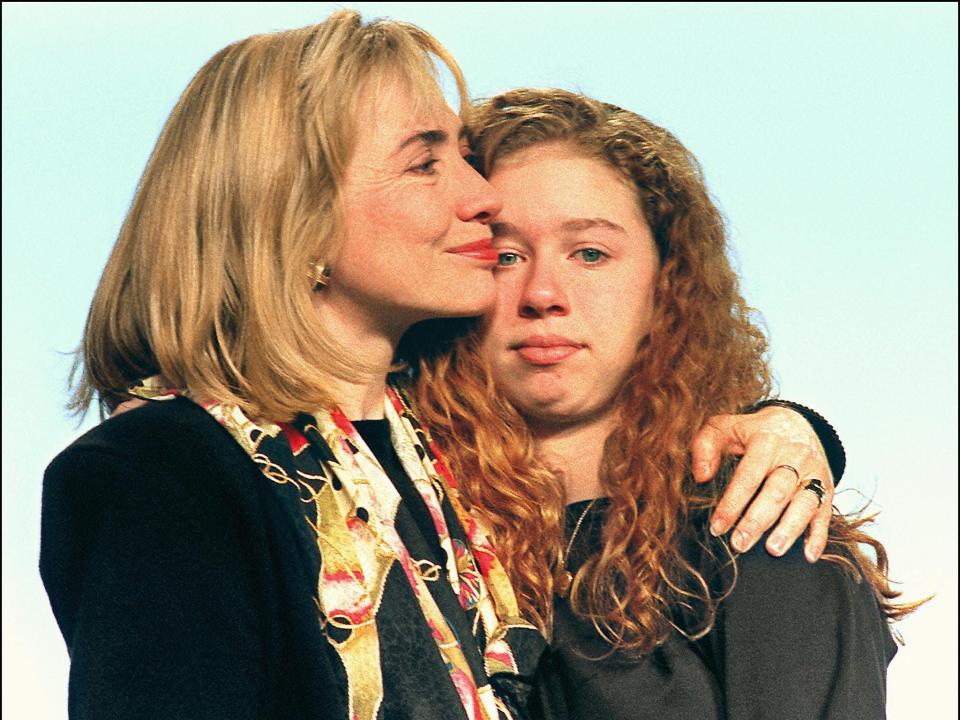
pixel 572 225
pixel 430 138
pixel 578 224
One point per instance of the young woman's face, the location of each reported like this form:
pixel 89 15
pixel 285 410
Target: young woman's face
pixel 417 241
pixel 575 284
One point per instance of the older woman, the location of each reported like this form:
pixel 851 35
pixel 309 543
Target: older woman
pixel 278 538
pixel 260 545
pixel 618 330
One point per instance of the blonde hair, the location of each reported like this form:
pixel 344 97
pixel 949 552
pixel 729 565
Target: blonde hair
pixel 208 283
pixel 703 355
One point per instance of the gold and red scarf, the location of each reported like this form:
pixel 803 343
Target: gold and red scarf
pixel 350 505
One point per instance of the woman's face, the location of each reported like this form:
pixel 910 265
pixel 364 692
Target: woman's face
pixel 575 284
pixel 417 242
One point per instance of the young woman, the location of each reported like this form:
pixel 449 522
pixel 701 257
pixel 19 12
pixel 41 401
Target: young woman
pixel 618 330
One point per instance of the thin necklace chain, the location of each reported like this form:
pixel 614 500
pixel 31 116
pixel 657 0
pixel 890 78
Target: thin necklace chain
pixel 566 553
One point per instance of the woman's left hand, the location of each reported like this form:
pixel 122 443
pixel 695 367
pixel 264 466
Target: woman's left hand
pixel 778 445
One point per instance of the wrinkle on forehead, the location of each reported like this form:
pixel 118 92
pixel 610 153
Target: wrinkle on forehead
pixel 415 106
pixel 394 124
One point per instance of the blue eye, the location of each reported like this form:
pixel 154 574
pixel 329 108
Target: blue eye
pixel 506 259
pixel 591 255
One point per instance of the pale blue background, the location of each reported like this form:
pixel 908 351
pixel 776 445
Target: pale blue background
pixel 827 132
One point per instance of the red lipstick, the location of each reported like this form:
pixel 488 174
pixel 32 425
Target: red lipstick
pixel 481 250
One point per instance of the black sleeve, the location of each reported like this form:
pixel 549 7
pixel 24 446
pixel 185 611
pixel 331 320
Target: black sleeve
pixel 828 436
pixel 144 574
pixel 795 640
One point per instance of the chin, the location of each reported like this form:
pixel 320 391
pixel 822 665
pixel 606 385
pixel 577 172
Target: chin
pixel 461 310
pixel 467 299
pixel 539 407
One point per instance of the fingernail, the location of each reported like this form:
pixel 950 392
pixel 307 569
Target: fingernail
pixel 740 540
pixel 811 555
pixel 776 544
pixel 716 527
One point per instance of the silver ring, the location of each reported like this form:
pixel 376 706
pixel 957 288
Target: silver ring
pixel 816 487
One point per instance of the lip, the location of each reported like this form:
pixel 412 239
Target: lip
pixel 546 349
pixel 480 250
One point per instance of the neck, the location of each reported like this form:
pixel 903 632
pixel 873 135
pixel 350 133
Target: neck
pixel 371 348
pixel 361 399
pixel 577 452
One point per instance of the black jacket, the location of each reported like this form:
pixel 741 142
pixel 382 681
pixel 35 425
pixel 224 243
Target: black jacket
pixel 183 582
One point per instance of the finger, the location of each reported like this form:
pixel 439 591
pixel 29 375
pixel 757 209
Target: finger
pixel 751 470
pixel 707 447
pixel 767 506
pixel 819 528
pixel 803 508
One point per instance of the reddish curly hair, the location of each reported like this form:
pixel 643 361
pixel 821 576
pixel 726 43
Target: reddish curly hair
pixel 704 355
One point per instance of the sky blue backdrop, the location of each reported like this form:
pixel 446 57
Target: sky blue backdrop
pixel 827 132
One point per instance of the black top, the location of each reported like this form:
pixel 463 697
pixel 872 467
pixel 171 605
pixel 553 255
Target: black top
pixel 184 582
pixel 420 537
pixel 792 640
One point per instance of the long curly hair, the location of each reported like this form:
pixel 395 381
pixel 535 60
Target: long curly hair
pixel 704 354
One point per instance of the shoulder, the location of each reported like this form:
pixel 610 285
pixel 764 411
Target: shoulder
pixel 156 526
pixel 761 577
pixel 799 639
pixel 786 605
pixel 167 462
pixel 164 481
pixel 823 614
pixel 757 577
pixel 169 441
pixel 156 431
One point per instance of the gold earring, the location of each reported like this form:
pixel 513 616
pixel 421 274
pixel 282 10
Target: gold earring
pixel 319 273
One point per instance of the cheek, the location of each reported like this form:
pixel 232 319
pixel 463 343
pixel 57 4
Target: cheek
pixel 424 213
pixel 488 344
pixel 643 304
pixel 643 319
pixel 361 230
pixel 622 331
pixel 383 218
pixel 496 322
pixel 396 216
pixel 508 287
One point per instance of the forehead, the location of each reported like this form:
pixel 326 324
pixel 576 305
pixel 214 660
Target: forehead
pixel 550 183
pixel 391 106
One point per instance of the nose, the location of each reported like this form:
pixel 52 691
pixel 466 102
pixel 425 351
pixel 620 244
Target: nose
pixel 543 291
pixel 479 202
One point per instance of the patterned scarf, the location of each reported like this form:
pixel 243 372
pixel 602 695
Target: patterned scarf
pixel 351 504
